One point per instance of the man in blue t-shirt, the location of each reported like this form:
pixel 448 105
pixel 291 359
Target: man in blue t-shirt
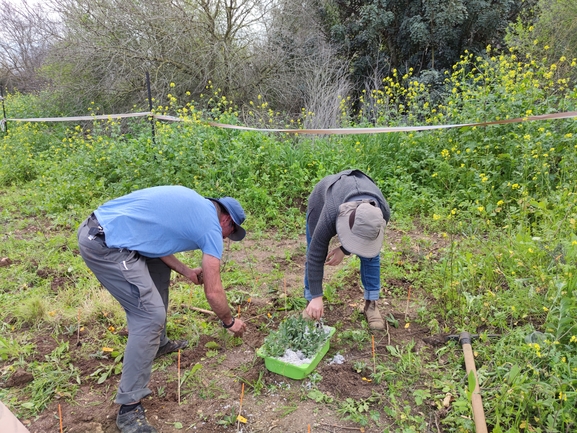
pixel 129 243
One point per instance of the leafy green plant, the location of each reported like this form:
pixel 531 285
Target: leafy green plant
pixel 297 334
pixel 10 349
pixel 357 337
pixel 356 410
pixel 104 372
pixel 319 396
pixel 359 366
pixel 258 385
pixel 226 420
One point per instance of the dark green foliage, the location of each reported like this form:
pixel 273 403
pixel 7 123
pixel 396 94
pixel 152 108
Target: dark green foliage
pixel 380 35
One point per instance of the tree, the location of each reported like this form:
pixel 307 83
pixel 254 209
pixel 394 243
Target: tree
pixel 552 24
pixel 304 73
pixel 106 47
pixel 24 43
pixel 380 35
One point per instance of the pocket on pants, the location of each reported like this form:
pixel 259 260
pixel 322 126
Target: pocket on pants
pixel 134 270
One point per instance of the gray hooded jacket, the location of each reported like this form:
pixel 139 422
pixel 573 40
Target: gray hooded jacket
pixel 322 212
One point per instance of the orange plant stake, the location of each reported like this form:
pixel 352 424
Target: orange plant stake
pixel 60 416
pixel 240 407
pixel 408 300
pixel 178 373
pixel 309 429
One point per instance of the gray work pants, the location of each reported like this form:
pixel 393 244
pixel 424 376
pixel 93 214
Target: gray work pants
pixel 140 284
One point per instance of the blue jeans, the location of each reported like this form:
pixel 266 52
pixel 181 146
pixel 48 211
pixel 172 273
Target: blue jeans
pixel 370 275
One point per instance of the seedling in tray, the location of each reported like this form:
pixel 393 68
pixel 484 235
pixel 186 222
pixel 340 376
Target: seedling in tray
pixel 295 335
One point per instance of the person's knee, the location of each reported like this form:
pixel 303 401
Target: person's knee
pixel 158 318
pixel 150 322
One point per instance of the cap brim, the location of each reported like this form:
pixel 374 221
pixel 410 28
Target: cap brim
pixel 238 234
pixel 352 243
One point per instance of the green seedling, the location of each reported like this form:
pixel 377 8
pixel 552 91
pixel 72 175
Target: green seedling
pixel 105 372
pixel 227 420
pixel 359 366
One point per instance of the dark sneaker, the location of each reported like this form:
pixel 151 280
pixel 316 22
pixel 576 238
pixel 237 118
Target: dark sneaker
pixel 171 346
pixel 134 422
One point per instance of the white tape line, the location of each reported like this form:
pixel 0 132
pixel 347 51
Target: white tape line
pixel 376 130
pixel 333 131
pixel 69 119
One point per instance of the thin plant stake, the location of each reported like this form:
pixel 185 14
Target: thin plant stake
pixel 374 363
pixel 309 429
pixel 408 299
pixel 78 330
pixel 239 417
pixel 60 417
pixel 178 373
pixel 285 293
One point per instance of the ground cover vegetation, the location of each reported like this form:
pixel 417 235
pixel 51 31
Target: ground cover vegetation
pixel 483 238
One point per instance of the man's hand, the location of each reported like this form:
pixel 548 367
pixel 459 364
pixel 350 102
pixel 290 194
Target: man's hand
pixel 335 257
pixel 238 328
pixel 315 308
pixel 195 275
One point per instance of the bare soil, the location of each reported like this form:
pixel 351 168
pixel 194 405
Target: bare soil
pixel 281 405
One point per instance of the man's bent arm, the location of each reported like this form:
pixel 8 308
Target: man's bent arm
pixel 213 288
pixel 195 275
pixel 215 295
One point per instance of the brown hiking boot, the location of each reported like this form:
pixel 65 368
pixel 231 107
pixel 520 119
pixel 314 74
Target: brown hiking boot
pixel 373 316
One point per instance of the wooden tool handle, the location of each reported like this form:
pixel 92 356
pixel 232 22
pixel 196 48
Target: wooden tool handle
pixel 476 401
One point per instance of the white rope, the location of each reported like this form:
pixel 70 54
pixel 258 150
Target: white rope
pixel 331 131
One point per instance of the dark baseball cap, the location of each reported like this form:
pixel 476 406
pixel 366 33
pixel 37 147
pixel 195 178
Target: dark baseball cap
pixel 236 212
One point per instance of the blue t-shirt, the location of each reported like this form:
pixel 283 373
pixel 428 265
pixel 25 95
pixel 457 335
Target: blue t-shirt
pixel 160 221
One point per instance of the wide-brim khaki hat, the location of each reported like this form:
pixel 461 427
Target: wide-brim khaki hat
pixel 361 228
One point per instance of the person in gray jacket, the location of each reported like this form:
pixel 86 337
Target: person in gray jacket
pixel 348 204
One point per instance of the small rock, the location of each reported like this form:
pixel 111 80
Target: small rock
pixel 20 377
pixel 338 359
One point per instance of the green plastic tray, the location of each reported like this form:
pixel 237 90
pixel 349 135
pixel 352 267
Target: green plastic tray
pixel 296 371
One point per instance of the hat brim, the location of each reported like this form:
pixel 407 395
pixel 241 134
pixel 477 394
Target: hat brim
pixel 362 247
pixel 239 233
